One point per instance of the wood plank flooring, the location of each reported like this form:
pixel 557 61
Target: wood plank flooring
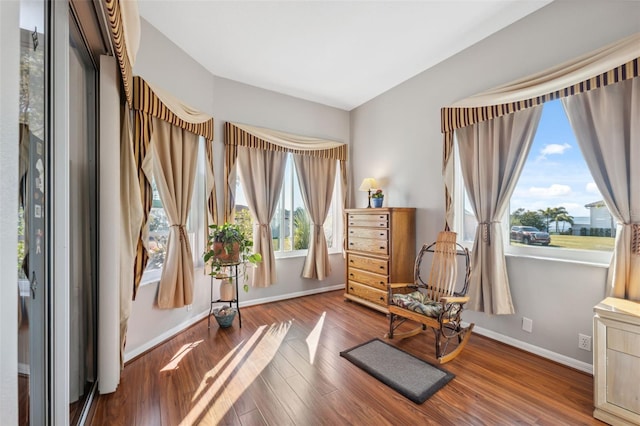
pixel 283 368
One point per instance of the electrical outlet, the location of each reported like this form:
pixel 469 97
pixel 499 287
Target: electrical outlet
pixel 527 324
pixel 584 342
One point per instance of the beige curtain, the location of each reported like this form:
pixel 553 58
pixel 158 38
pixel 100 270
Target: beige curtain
pixel 211 207
pixel 230 176
pixel 600 62
pixel 175 152
pixel 492 154
pixel 236 134
pixel 131 216
pixel 607 125
pixel 262 175
pixel 317 178
pixel 611 64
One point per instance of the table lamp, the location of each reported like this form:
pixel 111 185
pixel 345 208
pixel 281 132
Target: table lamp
pixel 367 185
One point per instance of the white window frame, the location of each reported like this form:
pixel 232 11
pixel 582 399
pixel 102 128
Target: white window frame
pixel 195 221
pixel 589 257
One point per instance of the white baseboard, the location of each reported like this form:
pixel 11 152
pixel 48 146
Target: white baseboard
pixel 545 353
pixel 128 356
pixel 292 295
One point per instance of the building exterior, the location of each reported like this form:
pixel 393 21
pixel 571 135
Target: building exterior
pixel 600 220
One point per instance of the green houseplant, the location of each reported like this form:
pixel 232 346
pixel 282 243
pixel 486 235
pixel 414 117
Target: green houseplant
pixel 228 245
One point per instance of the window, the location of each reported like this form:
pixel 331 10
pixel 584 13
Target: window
pixel 556 209
pixel 159 224
pixel 291 224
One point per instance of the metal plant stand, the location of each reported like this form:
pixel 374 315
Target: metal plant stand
pixel 234 275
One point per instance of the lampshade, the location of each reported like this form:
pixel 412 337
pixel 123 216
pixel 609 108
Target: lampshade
pixel 368 184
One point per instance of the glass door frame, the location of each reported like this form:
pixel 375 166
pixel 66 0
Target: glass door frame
pixel 59 254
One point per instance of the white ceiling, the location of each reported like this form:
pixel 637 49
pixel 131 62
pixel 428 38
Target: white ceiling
pixel 338 53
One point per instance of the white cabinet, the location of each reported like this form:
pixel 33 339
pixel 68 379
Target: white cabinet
pixel 616 361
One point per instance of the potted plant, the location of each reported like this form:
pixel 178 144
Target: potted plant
pixel 227 245
pixel 377 198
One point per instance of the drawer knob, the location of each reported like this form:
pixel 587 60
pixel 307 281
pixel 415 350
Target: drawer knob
pixel 381 267
pixel 381 247
pixel 351 275
pixel 382 282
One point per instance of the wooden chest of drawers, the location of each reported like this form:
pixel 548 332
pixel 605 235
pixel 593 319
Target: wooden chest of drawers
pixel 616 361
pixel 380 249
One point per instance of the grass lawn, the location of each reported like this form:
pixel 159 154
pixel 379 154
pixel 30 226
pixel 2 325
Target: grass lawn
pixel 579 242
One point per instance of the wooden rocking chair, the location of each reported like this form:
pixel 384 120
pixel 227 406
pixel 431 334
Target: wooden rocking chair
pixel 437 303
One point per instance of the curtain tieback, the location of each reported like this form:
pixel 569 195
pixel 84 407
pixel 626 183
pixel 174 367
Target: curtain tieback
pixel 262 227
pixel 486 230
pixel 182 231
pixel 635 238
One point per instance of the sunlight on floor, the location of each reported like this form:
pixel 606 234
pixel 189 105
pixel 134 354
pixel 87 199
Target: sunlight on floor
pixel 314 337
pixel 228 380
pixel 173 364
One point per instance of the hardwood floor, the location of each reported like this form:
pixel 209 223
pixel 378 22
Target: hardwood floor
pixel 283 368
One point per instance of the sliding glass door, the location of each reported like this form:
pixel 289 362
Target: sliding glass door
pixel 82 223
pixel 33 216
pixel 57 289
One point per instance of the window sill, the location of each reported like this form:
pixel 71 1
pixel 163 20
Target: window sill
pixel 598 259
pixel 595 264
pixel 301 253
pixel 151 277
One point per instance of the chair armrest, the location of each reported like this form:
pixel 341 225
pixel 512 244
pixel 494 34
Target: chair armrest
pixel 453 299
pixel 400 285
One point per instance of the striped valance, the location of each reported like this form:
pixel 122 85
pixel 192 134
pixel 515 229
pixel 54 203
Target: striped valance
pixel 273 140
pixel 610 64
pixel 457 117
pixel 145 99
pixel 121 46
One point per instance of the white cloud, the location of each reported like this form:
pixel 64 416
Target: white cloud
pixel 592 188
pixel 554 148
pixel 555 190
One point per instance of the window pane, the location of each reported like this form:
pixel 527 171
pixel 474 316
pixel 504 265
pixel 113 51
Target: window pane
pixel 301 220
pixel 158 231
pixel 243 215
pixel 329 224
pixel 556 202
pixel 287 191
pixel 291 224
pixel 470 223
pixel 277 226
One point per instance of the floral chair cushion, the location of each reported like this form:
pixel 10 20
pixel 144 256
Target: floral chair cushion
pixel 418 302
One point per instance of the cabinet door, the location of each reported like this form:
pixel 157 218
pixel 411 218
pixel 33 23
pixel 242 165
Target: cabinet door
pixel 368 293
pixel 369 233
pixel 369 278
pixel 368 220
pixel 371 264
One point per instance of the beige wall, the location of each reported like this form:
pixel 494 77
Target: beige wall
pixel 397 136
pixel 161 62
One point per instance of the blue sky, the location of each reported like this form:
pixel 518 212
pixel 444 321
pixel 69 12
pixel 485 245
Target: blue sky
pixel 555 173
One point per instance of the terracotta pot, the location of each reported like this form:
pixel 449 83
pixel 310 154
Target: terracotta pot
pixel 221 256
